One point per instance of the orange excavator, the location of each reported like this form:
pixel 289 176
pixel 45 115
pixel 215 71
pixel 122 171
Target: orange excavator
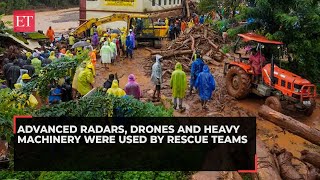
pixel 281 87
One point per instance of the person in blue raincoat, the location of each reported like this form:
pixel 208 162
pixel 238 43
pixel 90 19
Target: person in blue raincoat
pixel 129 45
pixel 196 69
pixel 202 19
pixel 205 84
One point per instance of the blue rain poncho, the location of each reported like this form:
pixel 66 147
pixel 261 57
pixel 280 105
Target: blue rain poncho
pixel 196 69
pixel 205 84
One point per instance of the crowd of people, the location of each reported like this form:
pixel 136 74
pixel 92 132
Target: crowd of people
pixel 20 70
pixel 179 25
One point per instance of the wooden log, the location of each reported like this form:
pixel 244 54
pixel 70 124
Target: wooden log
pixel 312 158
pixel 205 33
pixel 266 165
pixel 212 44
pixel 192 44
pixel 287 171
pixel 208 60
pixel 290 124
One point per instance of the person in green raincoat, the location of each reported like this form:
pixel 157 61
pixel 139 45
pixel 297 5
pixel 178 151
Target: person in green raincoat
pixel 85 80
pixel 114 49
pixel 36 63
pixel 178 84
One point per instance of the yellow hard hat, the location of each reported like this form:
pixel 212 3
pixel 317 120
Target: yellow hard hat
pixel 25 76
pixel 88 41
pixel 89 66
pixel 71 34
pixel 106 35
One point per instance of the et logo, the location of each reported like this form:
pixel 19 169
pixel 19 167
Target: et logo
pixel 24 21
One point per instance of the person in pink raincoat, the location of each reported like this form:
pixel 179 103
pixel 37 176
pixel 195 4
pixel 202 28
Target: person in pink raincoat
pixel 132 87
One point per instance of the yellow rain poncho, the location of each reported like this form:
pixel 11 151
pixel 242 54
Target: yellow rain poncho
pixel 178 82
pixel 71 40
pixel 69 54
pixel 52 56
pixel 36 63
pixel 28 54
pixel 190 24
pixel 76 75
pixel 100 30
pixel 85 80
pixel 115 90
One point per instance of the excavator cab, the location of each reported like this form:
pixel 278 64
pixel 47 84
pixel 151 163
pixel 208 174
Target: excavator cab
pixel 279 86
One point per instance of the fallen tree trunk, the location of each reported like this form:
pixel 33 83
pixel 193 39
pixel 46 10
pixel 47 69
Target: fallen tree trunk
pixel 290 124
pixel 192 44
pixel 267 168
pixel 212 44
pixel 311 158
pixel 287 170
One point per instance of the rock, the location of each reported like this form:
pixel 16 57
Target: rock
pixel 150 92
pixel 206 175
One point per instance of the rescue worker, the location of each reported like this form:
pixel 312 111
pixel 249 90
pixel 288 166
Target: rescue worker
pixel 132 38
pixel 89 47
pixel 129 47
pixel 256 60
pixel 167 22
pixel 115 90
pixel 123 43
pixel 99 30
pixel 30 68
pixel 183 26
pixel 201 21
pixel 28 55
pixel 106 54
pixel 69 54
pixel 55 94
pixel 178 84
pixel 36 63
pixel 190 23
pixel 50 34
pixel 113 46
pixel 71 40
pixel 13 74
pixel 95 40
pixel 75 79
pixel 25 79
pixel 171 31
pixel 108 83
pixel 132 87
pixel 156 77
pixel 85 80
pixel 93 58
pixel 196 68
pixel 205 84
pixel 52 56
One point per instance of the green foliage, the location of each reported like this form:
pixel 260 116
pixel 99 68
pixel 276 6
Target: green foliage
pixel 57 69
pixel 7 6
pixel 227 8
pixel 37 35
pixel 98 105
pixel 7 111
pixel 297 24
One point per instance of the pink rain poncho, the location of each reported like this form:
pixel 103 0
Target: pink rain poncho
pixel 132 87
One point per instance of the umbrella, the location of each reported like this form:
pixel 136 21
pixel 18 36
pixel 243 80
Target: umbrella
pixel 116 31
pixel 80 44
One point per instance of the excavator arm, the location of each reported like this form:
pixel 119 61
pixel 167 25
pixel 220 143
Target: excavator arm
pixel 98 21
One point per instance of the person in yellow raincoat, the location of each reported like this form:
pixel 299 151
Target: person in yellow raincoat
pixel 69 54
pixel 115 90
pixel 100 30
pixel 52 56
pixel 178 84
pixel 36 63
pixel 167 22
pixel 79 69
pixel 28 55
pixel 79 51
pixel 71 39
pixel 190 23
pixel 85 80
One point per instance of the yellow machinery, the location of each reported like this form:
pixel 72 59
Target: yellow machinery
pixel 142 25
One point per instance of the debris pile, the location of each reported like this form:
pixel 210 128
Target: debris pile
pixel 183 48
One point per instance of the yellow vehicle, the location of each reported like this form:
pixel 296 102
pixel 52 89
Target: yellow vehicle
pixel 141 24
